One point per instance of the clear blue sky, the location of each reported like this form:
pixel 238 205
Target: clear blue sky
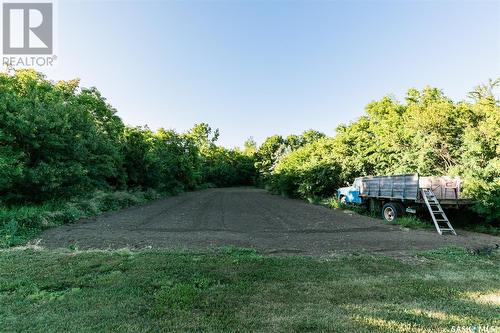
pixel 256 68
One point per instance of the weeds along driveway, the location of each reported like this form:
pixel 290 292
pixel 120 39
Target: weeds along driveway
pixel 249 217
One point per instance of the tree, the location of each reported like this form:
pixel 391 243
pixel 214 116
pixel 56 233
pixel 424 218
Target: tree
pixel 269 153
pixel 250 146
pixel 484 91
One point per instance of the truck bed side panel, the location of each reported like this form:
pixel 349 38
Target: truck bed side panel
pixel 444 187
pixel 394 187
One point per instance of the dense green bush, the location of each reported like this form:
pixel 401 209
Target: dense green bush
pixel 51 145
pixel 308 172
pixel 275 147
pixel 164 160
pixel 225 167
pixel 220 166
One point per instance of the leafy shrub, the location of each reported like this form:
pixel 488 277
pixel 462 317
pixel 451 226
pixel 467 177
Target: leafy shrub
pixel 332 202
pixel 65 213
pixel 56 142
pixel 18 224
pixel 308 172
pixel 116 200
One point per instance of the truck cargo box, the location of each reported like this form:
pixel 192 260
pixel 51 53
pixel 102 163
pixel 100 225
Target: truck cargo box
pixel 405 187
pixel 408 187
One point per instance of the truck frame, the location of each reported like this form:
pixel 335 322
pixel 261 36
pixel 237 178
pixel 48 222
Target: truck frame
pixel 393 196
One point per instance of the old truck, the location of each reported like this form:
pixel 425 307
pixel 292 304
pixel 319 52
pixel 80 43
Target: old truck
pixel 393 196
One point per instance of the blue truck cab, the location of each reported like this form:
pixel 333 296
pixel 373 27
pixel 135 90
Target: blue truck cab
pixel 350 194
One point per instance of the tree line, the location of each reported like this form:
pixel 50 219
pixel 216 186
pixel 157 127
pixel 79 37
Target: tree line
pixel 427 133
pixel 58 141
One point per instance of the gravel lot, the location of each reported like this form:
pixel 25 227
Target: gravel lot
pixel 249 217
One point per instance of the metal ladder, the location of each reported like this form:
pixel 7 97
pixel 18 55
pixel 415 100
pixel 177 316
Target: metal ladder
pixel 438 216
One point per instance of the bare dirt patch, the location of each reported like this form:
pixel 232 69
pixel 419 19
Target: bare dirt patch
pixel 252 218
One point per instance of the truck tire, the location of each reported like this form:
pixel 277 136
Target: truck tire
pixel 391 211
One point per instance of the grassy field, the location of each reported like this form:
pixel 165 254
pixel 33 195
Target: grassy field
pixel 239 290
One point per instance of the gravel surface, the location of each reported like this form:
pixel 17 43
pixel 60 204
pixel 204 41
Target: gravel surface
pixel 248 217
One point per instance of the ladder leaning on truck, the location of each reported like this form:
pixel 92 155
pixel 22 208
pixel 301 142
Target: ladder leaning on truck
pixel 395 195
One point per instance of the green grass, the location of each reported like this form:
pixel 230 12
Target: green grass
pixel 411 222
pixel 18 224
pixel 239 290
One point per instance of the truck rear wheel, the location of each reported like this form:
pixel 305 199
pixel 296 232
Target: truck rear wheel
pixel 391 211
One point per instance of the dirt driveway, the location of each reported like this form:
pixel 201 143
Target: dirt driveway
pixel 253 218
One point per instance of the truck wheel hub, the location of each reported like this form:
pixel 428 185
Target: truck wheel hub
pixel 389 214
